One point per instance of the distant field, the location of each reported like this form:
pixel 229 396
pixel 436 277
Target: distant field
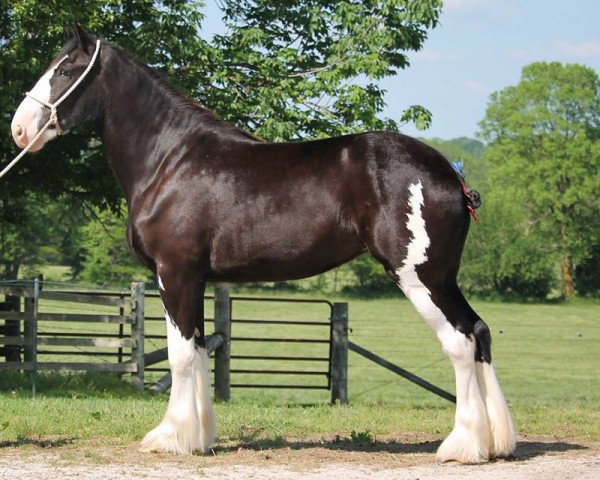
pixel 546 356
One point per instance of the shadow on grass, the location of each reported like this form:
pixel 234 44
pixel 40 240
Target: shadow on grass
pixel 37 442
pixel 526 450
pixel 345 445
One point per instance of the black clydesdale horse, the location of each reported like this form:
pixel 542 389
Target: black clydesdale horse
pixel 209 202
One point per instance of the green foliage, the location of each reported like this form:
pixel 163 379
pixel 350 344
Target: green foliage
pixel 501 258
pixel 371 278
pixel 306 68
pixel 469 151
pixel 470 145
pixel 36 231
pixel 286 70
pixel 107 258
pixel 362 437
pixel 545 152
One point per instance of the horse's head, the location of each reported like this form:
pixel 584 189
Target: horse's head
pixel 79 106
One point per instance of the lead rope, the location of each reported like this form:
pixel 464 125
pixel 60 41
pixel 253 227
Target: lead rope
pixel 53 120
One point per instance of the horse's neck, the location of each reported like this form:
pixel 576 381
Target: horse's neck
pixel 144 123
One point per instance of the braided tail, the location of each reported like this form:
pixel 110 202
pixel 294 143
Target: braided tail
pixel 473 197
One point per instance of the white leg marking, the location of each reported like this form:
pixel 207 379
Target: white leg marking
pixel 468 442
pixel 502 429
pixel 160 284
pixel 189 423
pixel 208 426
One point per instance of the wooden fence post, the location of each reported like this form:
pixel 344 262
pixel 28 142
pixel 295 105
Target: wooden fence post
pixel 137 333
pixel 30 331
pixel 339 353
pixel 223 353
pixel 12 328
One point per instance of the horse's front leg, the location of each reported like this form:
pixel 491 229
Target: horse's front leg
pixel 189 423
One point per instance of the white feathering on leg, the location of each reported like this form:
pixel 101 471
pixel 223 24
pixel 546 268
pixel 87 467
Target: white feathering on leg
pixel 188 424
pixel 469 440
pixel 208 428
pixel 502 429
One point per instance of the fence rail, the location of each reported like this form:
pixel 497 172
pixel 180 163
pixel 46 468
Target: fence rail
pixel 21 347
pixel 120 340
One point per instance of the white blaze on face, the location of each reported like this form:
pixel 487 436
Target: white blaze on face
pixel 26 123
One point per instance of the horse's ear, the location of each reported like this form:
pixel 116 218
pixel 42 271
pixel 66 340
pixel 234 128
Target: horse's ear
pixel 83 39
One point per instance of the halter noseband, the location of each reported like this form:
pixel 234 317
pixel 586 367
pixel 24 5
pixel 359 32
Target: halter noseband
pixel 53 120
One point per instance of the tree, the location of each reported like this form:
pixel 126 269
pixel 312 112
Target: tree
pixel 306 68
pixel 587 280
pixel 39 231
pixel 544 136
pixel 501 256
pixel 470 152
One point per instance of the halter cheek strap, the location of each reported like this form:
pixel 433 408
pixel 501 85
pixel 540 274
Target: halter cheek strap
pixel 53 120
pixel 43 102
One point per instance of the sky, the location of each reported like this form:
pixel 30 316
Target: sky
pixel 480 46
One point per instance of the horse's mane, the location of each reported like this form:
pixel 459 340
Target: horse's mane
pixel 180 99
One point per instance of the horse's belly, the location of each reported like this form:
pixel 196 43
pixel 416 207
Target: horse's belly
pixel 281 254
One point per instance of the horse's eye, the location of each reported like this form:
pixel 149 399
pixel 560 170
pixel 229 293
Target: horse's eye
pixel 64 73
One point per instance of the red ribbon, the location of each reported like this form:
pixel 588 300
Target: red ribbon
pixel 468 195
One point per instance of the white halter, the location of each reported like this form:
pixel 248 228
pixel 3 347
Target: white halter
pixel 53 120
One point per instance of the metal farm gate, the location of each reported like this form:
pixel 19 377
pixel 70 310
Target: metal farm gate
pixel 295 343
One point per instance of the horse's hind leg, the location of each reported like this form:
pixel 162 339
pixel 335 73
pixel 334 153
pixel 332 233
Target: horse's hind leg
pixel 475 358
pixel 426 272
pixel 188 424
pixel 471 438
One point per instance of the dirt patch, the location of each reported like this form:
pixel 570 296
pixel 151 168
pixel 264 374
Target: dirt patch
pixel 393 457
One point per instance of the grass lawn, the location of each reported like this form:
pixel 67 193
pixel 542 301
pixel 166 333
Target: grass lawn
pixel 546 356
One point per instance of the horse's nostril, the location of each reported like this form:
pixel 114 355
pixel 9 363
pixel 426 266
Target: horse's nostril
pixel 19 131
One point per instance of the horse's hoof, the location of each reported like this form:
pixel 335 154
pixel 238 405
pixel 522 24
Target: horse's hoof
pixel 464 448
pixel 163 439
